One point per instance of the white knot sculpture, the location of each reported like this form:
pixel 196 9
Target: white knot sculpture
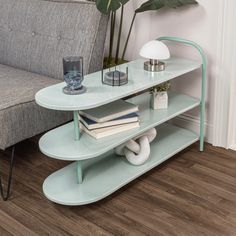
pixel 137 150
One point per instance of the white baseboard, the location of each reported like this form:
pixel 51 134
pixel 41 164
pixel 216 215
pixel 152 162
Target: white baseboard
pixel 233 146
pixel 193 123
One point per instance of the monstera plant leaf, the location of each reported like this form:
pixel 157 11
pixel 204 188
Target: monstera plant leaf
pixel 106 6
pixel 158 4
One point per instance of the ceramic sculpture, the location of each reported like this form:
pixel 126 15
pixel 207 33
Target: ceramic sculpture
pixel 137 150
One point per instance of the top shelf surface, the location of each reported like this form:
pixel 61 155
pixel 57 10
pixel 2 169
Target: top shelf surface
pixel 98 94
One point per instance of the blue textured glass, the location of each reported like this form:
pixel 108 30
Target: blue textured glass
pixel 73 72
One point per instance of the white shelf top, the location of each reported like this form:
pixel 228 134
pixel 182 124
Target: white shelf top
pixel 60 144
pixel 98 94
pixel 108 173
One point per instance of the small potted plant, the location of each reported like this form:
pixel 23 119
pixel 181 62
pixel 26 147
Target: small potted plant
pixel 159 96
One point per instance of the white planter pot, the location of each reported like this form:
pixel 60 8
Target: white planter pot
pixel 159 100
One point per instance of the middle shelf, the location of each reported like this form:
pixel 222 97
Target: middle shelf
pixel 60 144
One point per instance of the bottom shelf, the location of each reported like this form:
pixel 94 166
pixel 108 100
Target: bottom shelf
pixel 104 175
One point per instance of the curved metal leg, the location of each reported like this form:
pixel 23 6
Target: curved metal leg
pixel 5 197
pixel 204 78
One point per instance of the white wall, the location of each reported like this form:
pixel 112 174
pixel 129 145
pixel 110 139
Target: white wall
pixel 231 142
pixel 197 23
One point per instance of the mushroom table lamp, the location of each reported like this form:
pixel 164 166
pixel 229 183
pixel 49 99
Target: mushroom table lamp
pixel 155 51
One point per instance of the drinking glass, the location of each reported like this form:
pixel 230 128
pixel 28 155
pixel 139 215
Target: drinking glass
pixel 73 74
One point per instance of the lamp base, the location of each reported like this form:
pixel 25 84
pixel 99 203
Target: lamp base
pixel 159 66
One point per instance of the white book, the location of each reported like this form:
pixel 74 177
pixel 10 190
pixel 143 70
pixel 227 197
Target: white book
pixel 110 111
pixel 108 131
pixel 90 124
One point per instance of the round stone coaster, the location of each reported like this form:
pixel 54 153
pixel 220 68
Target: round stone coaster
pixel 69 91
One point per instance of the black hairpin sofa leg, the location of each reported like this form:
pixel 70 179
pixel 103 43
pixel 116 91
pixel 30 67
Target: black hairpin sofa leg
pixel 8 189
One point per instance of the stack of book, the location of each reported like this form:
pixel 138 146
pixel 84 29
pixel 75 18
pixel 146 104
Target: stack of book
pixel 110 119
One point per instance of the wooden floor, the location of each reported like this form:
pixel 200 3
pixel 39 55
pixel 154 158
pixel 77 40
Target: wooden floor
pixel 192 194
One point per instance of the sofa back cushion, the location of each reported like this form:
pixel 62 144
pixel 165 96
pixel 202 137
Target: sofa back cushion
pixel 36 34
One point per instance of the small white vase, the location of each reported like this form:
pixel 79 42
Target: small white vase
pixel 159 100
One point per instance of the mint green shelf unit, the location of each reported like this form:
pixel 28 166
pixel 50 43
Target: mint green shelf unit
pixel 96 172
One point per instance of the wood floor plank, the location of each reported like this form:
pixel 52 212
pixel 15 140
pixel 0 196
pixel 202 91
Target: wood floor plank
pixel 188 196
pixel 150 215
pixel 13 226
pixel 192 159
pixel 223 178
pixel 166 213
pixel 209 183
pixel 189 184
pixel 4 232
pixel 56 217
pixel 194 213
pixel 193 194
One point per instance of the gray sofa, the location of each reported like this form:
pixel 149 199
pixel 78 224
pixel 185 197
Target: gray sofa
pixel 34 37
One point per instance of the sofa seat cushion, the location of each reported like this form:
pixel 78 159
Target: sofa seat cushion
pixel 18 86
pixel 20 116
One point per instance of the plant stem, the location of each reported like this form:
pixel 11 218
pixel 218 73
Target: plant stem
pixel 110 41
pixel 128 37
pixel 119 35
pixel 112 31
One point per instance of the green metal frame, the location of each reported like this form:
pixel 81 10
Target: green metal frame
pixel 79 172
pixel 77 137
pixel 204 77
pixel 76 125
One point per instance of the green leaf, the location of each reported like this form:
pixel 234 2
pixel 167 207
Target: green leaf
pixel 152 5
pixel 179 3
pixel 106 6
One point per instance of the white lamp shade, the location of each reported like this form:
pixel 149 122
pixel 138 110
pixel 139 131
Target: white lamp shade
pixel 155 50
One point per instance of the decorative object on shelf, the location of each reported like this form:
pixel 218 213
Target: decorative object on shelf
pixel 126 119
pixel 155 51
pixel 112 118
pixel 115 77
pixel 137 150
pixel 110 7
pixel 110 111
pixel 73 75
pixel 108 131
pixel 159 96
